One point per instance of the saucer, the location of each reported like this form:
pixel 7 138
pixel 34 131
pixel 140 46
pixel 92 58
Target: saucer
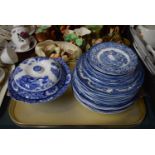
pixel 33 43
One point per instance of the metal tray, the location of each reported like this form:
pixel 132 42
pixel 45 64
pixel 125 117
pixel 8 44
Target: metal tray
pixel 4 85
pixel 67 111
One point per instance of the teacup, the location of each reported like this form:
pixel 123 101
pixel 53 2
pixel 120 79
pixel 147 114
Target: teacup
pixel 20 37
pixel 8 56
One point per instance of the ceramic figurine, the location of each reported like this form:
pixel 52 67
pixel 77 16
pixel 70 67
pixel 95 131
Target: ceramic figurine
pixel 82 31
pixel 114 34
pixel 42 32
pixel 106 33
pixel 70 36
pixel 64 28
pixel 94 28
pixel 75 36
pixel 69 52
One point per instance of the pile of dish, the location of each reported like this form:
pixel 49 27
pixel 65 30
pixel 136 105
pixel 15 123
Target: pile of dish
pixel 39 80
pixel 107 78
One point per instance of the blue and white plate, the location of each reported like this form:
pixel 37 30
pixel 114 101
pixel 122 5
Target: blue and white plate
pixel 112 58
pixel 103 83
pixel 85 103
pixel 39 79
pixel 17 97
pixel 102 103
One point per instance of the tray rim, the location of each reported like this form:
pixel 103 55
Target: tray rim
pixel 27 125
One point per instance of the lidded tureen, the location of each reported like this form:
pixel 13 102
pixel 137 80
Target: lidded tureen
pixel 39 79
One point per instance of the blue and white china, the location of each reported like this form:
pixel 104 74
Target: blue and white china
pixel 39 79
pixel 107 78
pixel 112 58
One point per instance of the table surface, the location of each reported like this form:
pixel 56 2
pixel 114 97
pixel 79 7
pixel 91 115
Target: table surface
pixel 149 121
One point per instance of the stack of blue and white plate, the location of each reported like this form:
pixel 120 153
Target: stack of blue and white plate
pixel 39 80
pixel 107 78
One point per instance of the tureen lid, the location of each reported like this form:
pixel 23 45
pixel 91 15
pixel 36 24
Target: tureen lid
pixel 112 58
pixel 37 74
pixel 43 86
